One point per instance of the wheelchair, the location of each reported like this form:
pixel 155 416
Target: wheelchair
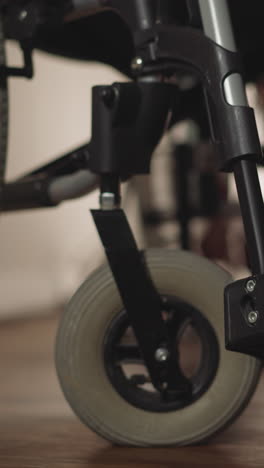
pixel 157 347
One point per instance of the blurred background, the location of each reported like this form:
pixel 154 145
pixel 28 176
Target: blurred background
pixel 47 253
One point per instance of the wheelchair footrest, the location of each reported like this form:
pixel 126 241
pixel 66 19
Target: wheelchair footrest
pixel 244 316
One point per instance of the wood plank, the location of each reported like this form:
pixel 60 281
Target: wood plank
pixel 38 430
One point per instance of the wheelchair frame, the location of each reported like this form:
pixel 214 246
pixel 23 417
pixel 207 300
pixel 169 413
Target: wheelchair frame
pixel 131 116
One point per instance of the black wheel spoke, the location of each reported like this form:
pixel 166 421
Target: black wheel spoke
pixel 139 379
pixel 128 353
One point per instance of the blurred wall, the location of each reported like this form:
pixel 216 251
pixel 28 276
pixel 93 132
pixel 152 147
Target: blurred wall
pixel 45 254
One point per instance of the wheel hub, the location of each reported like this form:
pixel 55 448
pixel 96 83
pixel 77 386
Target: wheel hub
pixel 191 337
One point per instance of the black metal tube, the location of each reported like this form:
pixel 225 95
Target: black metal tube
pixel 146 10
pixel 44 191
pixel 183 157
pixel 252 210
pixel 26 195
pixel 66 164
pixel 139 14
pixel 65 178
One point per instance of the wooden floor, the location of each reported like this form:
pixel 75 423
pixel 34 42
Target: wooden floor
pixel 37 429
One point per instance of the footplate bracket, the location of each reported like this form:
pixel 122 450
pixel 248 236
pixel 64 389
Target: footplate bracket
pixel 244 316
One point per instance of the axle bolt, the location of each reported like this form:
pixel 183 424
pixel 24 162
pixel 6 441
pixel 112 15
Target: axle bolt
pixel 137 64
pixel 253 317
pixel 161 354
pixel 250 286
pixel 23 15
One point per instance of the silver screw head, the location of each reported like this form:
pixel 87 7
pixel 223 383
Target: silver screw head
pixel 250 286
pixel 253 317
pixel 137 64
pixel 22 15
pixel 161 354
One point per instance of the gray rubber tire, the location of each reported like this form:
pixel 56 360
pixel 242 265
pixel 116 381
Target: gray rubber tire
pixel 80 364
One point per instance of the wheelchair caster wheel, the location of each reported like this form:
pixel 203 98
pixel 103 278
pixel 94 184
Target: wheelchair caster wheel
pixel 105 381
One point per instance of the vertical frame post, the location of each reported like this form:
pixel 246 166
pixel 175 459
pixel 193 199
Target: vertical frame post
pixel 217 25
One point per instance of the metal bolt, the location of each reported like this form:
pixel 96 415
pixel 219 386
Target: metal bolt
pixel 253 317
pixel 250 286
pixel 161 354
pixel 107 201
pixel 22 15
pixel 137 64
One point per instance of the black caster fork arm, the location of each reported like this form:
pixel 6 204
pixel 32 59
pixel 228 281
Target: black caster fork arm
pixel 142 303
pixel 123 113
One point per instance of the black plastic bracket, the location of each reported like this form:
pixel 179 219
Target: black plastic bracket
pixel 244 316
pixel 132 117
